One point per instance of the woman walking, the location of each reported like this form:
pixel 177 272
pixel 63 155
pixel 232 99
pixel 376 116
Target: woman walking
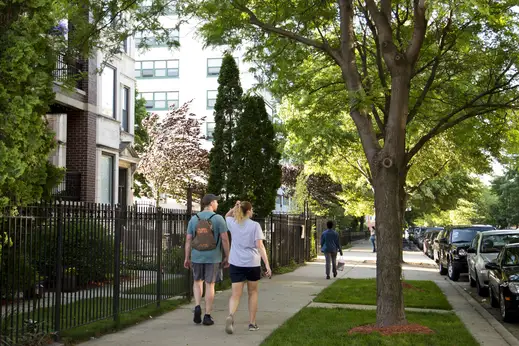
pixel 373 238
pixel 247 251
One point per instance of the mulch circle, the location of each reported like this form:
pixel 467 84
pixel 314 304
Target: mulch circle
pixel 404 329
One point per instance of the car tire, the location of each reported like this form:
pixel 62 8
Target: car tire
pixel 472 281
pixel 493 301
pixel 482 291
pixel 443 270
pixel 506 315
pixel 453 274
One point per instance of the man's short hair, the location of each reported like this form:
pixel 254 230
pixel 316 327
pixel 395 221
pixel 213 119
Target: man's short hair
pixel 329 224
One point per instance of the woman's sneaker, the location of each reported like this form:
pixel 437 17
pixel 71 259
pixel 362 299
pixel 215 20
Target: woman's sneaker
pixel 229 325
pixel 208 320
pixel 253 327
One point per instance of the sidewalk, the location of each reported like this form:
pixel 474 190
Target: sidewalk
pixel 284 295
pixel 279 299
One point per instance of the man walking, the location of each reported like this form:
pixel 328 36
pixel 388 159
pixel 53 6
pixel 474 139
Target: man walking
pixel 206 235
pixel 330 244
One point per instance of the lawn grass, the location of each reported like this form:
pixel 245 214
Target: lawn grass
pixel 314 326
pixel 127 319
pixel 423 294
pixel 170 287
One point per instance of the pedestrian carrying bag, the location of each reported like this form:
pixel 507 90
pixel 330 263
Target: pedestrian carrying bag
pixel 340 264
pixel 204 235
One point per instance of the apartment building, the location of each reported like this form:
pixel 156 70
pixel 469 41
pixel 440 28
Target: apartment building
pixel 94 126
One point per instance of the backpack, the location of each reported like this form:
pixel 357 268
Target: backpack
pixel 203 239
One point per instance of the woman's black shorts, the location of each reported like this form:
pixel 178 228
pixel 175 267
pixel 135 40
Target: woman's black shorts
pixel 241 274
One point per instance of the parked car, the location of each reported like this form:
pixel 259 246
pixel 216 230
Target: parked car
pixel 484 248
pixel 503 281
pixel 453 249
pixel 419 237
pixel 436 245
pixel 428 242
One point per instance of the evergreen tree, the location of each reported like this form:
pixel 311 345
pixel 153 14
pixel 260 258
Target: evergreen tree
pixel 141 186
pixel 227 109
pixel 255 173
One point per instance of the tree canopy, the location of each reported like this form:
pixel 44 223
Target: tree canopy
pixel 398 77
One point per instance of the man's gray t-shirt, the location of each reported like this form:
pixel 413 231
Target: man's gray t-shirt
pixel 219 227
pixel 244 252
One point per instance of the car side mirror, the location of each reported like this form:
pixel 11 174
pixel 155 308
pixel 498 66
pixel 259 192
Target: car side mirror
pixel 471 250
pixel 491 265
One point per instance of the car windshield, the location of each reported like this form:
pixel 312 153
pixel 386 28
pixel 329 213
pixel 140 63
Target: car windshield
pixel 511 257
pixel 495 242
pixel 463 235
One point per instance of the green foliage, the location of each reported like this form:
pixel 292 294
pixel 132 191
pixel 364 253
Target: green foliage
pixel 255 173
pixel 506 189
pixel 18 274
pixel 173 260
pixel 88 247
pixel 27 60
pixel 141 186
pixel 227 110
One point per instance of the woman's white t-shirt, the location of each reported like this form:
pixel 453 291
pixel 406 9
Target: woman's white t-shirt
pixel 244 252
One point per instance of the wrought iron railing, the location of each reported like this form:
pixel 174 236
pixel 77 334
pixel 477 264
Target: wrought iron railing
pixel 70 70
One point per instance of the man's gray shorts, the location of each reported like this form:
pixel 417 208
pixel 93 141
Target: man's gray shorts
pixel 208 272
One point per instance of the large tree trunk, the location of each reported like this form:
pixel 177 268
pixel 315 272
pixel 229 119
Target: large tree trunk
pixel 390 301
pixel 389 178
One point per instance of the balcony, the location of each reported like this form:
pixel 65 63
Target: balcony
pixel 70 70
pixel 70 188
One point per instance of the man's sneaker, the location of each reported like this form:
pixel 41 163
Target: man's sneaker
pixel 253 327
pixel 327 277
pixel 198 315
pixel 229 325
pixel 334 274
pixel 208 320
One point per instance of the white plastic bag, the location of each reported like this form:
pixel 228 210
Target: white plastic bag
pixel 340 264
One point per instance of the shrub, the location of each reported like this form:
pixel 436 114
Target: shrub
pixel 173 260
pixel 88 247
pixel 17 275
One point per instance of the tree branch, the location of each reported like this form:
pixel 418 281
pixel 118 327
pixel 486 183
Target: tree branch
pixel 423 181
pixel 434 70
pixel 420 27
pixel 253 19
pixel 385 34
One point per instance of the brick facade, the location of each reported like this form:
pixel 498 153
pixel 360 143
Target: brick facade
pixel 81 150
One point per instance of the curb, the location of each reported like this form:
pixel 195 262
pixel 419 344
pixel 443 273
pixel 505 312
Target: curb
pixel 371 307
pixel 499 328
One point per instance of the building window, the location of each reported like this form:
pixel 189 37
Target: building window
pixel 125 107
pixel 169 10
pixel 213 66
pixel 107 179
pixel 211 98
pixel 285 201
pixel 108 87
pixel 210 131
pixel 125 45
pixel 147 38
pixel 278 201
pixel 160 100
pixel 156 69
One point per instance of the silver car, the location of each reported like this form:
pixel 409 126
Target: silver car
pixel 484 248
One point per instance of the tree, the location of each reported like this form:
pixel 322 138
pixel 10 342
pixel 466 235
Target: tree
pixel 506 188
pixel 32 34
pixel 172 159
pixel 255 173
pixel 141 186
pixel 227 110
pixel 407 74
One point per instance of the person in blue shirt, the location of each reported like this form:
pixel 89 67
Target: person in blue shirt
pixel 330 245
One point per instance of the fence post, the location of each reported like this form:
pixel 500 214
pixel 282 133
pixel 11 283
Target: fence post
pixel 189 211
pixel 117 263
pixel 159 256
pixel 59 273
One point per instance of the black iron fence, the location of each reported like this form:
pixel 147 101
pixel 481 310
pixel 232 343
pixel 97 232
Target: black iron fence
pixel 66 264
